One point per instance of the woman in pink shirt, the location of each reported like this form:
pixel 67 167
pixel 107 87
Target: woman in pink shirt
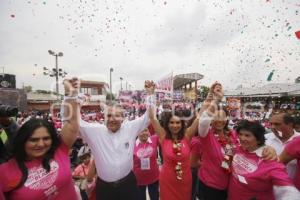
pixel 218 144
pixel 40 167
pixel 145 165
pixel 291 152
pixel 255 178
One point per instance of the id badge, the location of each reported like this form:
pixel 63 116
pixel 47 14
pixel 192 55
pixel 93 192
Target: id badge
pixel 242 179
pixel 145 163
pixel 225 165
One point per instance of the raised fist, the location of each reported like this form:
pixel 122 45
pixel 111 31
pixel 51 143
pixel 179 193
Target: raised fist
pixel 149 86
pixel 71 86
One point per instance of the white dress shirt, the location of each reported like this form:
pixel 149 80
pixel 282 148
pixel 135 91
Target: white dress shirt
pixel 113 152
pixel 273 141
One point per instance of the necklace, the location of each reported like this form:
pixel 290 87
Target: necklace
pixel 225 140
pixel 177 148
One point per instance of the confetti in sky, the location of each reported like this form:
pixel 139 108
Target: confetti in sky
pixel 297 34
pixel 237 42
pixel 270 75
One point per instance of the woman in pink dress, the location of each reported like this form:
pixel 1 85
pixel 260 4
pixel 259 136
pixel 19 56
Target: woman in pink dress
pixel 175 179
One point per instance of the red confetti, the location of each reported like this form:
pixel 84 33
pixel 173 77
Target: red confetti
pixel 12 16
pixel 297 34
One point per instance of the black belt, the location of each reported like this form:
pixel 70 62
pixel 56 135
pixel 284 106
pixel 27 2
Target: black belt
pixel 118 182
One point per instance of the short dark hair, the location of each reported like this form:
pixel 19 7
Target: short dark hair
pixel 255 128
pixel 23 134
pixel 288 119
pixel 297 120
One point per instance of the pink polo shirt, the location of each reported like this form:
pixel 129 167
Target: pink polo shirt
pixel 145 165
pixel 253 177
pixel 210 172
pixel 293 149
pixel 55 185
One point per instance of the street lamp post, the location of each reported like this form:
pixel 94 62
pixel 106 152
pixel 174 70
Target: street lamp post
pixel 121 79
pixel 56 72
pixel 110 85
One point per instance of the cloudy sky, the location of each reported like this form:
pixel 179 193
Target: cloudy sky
pixel 233 41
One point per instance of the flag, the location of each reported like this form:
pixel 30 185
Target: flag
pixel 166 83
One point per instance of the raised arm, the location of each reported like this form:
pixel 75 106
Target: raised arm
pixel 209 108
pixel 151 107
pixel 139 124
pixel 70 128
pixel 192 129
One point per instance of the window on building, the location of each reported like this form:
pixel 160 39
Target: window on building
pixel 94 91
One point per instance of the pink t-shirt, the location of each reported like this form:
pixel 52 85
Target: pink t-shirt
pixel 55 185
pixel 81 170
pixel 145 165
pixel 210 170
pixel 196 146
pixel 293 149
pixel 253 177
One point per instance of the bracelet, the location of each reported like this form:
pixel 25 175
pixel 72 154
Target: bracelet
pixel 70 97
pixel 150 100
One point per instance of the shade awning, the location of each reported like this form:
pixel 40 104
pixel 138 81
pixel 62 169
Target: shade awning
pixel 183 79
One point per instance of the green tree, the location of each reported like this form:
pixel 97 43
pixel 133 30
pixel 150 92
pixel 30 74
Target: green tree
pixel 28 88
pixel 203 91
pixel 110 97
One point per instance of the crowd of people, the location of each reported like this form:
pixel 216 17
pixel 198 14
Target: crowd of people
pixel 180 154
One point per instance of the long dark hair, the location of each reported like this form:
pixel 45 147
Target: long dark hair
pixel 165 124
pixel 18 148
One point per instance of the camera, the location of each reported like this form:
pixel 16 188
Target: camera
pixel 8 111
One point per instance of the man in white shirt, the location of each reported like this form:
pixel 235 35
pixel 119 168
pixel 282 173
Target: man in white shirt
pixel 282 133
pixel 112 146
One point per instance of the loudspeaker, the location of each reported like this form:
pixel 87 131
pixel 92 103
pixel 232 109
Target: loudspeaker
pixel 7 81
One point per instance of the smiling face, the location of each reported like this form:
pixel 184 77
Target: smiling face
pixel 219 121
pixel 144 135
pixel 114 118
pixel 247 140
pixel 174 125
pixel 38 144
